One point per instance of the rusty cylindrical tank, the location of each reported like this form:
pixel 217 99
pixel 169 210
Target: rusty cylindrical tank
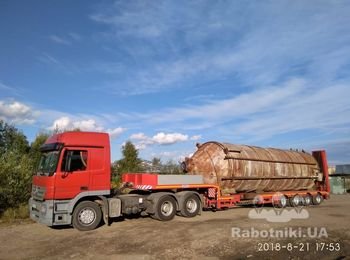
pixel 242 168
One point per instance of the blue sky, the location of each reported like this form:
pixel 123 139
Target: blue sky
pixel 168 74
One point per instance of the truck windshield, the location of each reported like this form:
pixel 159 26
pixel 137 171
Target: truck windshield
pixel 48 163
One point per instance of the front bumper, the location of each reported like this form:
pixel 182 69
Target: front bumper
pixel 41 211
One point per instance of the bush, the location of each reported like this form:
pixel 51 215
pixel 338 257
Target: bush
pixel 12 214
pixel 18 161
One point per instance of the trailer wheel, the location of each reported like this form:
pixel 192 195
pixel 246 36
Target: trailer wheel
pixel 279 201
pixel 295 201
pixel 317 199
pixel 308 200
pixel 165 208
pixel 191 206
pixel 86 216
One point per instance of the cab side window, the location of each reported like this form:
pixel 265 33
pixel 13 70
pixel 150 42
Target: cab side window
pixel 74 160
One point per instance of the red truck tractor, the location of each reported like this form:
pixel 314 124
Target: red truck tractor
pixel 73 182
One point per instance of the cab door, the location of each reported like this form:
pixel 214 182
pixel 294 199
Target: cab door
pixel 73 173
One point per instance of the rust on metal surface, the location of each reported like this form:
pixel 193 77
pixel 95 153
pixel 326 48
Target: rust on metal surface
pixel 269 161
pixel 270 178
pixel 248 168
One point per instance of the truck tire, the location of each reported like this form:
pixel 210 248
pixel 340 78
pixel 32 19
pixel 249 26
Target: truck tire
pixel 191 206
pixel 279 201
pixel 296 201
pixel 307 200
pixel 86 216
pixel 317 199
pixel 165 208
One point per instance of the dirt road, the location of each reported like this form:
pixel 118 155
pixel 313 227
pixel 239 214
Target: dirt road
pixel 213 235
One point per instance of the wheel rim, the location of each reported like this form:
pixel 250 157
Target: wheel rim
pixel 283 201
pixel 296 200
pixel 318 199
pixel 279 201
pixel 307 200
pixel 191 205
pixel 87 216
pixel 258 201
pixel 167 208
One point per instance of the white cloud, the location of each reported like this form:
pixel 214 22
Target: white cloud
pixel 142 140
pixel 17 113
pixel 87 125
pixel 116 132
pixel 196 137
pixel 175 156
pixel 5 87
pixel 131 21
pixel 294 106
pixel 11 90
pixel 163 138
pixel 277 41
pixel 322 109
pixel 227 109
pixel 61 123
pixel 160 138
pixel 140 146
pixel 75 36
pixel 48 59
pixel 66 123
pixel 139 136
pixel 59 40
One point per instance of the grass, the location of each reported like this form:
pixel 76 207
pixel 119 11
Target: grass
pixel 15 215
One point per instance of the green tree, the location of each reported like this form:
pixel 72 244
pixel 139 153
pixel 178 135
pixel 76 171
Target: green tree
pixel 15 183
pixel 130 162
pixel 16 167
pixel 12 140
pixel 156 165
pixel 35 153
pixel 171 167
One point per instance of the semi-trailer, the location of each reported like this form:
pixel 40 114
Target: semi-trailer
pixel 73 182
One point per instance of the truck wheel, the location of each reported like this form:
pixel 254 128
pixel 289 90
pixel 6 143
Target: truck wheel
pixel 308 200
pixel 87 216
pixel 165 208
pixel 191 206
pixel 317 199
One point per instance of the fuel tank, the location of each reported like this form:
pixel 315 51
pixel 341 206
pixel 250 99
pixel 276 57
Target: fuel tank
pixel 243 168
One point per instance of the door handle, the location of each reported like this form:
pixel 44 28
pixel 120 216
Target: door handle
pixel 84 188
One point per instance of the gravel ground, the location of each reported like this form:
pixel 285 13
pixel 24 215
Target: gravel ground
pixel 208 236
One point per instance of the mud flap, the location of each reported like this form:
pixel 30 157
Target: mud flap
pixel 105 210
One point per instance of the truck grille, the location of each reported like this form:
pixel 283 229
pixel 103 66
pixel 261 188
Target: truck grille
pixel 38 193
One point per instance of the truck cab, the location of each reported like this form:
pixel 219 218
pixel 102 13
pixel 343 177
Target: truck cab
pixel 72 186
pixel 74 166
